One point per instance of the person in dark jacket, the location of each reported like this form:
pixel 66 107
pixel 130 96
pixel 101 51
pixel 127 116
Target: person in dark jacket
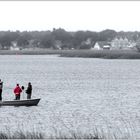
pixel 17 91
pixel 1 86
pixel 29 91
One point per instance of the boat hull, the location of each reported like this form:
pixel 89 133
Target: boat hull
pixel 29 102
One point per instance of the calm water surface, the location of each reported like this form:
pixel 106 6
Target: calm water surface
pixel 76 94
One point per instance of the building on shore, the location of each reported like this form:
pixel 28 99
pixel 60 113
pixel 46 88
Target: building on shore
pixel 14 46
pixel 101 45
pixel 122 43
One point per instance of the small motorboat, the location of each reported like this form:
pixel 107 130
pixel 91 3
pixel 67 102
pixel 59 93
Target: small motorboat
pixel 28 102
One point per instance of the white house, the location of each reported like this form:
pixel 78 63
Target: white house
pixel 14 46
pixel 101 45
pixel 14 43
pixel 58 44
pixel 122 43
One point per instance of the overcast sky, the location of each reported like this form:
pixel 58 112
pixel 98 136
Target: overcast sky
pixel 70 15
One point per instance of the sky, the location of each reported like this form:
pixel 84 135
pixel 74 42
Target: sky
pixel 70 15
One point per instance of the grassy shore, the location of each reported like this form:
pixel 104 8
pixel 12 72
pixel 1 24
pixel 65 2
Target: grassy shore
pixel 27 135
pixel 95 134
pixel 124 131
pixel 105 54
pixel 21 135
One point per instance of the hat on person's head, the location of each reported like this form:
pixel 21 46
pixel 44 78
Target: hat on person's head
pixel 22 87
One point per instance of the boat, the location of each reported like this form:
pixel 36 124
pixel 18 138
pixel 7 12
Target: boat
pixel 28 102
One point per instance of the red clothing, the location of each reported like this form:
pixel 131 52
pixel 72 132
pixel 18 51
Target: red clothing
pixel 17 90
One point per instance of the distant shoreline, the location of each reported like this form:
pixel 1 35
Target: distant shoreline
pixel 104 54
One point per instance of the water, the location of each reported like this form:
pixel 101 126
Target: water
pixel 76 94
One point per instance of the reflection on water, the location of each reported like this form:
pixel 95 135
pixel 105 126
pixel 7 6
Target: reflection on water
pixel 76 93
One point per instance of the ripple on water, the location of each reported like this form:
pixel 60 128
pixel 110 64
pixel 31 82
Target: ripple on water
pixel 78 94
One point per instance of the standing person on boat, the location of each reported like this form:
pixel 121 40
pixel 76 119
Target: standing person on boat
pixel 29 91
pixel 1 86
pixel 17 91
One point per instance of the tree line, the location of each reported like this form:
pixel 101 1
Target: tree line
pixel 69 40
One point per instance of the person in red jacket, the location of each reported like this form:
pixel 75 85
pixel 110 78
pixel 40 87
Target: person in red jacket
pixel 17 91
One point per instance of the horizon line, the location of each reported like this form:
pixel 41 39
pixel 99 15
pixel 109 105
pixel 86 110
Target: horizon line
pixel 10 30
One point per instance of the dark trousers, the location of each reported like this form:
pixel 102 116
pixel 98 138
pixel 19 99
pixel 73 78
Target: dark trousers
pixel 0 94
pixel 17 97
pixel 28 96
